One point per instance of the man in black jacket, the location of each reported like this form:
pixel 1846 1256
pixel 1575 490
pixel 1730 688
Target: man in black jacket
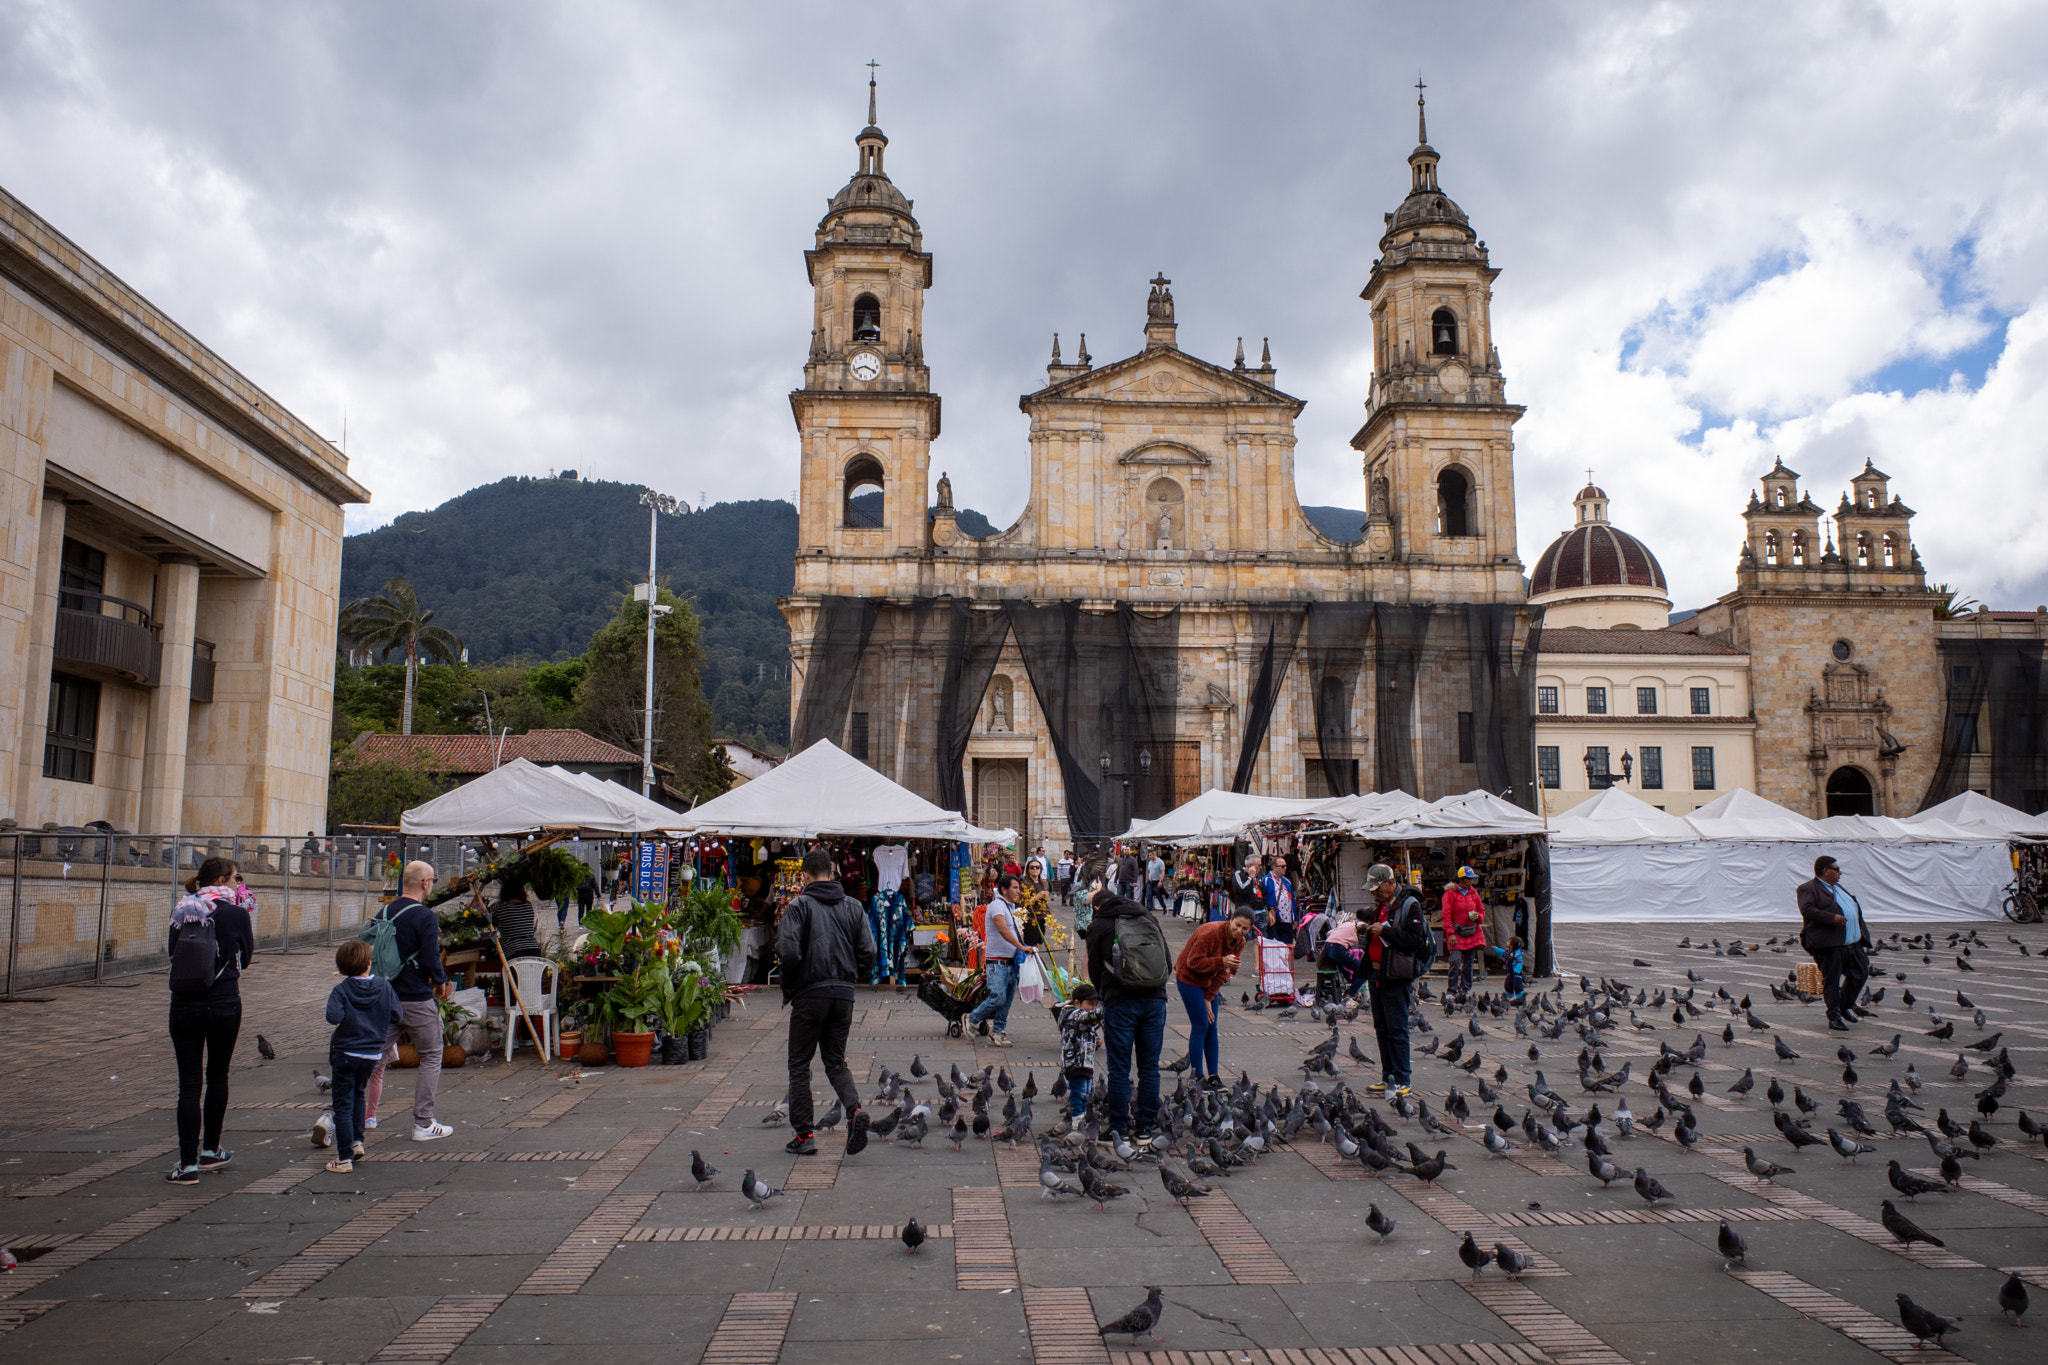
pixel 420 985
pixel 1133 1018
pixel 1398 940
pixel 825 946
pixel 1833 929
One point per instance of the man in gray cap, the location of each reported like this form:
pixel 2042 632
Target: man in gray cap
pixel 1397 951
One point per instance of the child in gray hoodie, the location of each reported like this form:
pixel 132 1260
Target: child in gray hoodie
pixel 362 1009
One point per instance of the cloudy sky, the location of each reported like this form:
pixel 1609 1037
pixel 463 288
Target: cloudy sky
pixel 507 237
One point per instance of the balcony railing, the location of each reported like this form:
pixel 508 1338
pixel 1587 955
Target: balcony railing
pixel 202 670
pixel 109 636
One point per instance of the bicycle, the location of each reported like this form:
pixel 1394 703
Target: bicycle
pixel 2021 906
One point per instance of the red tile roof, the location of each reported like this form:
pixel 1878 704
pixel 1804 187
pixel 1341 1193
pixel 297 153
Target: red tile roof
pixel 1581 640
pixel 479 753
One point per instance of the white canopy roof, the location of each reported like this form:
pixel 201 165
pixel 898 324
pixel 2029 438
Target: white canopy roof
pixel 825 790
pixel 1884 829
pixel 521 796
pixel 1744 816
pixel 1218 816
pixel 1473 815
pixel 1615 817
pixel 1983 818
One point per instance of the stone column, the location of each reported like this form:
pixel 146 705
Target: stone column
pixel 170 705
pixel 42 639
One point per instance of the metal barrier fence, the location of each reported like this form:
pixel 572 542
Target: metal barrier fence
pixel 83 905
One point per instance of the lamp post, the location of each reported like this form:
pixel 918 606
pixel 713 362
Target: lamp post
pixel 1144 769
pixel 656 504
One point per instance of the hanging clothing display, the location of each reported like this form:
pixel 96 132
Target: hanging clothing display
pixel 892 865
pixel 889 920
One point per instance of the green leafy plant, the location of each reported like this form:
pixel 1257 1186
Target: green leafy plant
pixel 709 919
pixel 635 999
pixel 453 1016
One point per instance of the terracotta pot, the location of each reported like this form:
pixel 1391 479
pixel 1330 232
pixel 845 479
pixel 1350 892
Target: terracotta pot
pixel 632 1049
pixel 453 1055
pixel 571 1044
pixel 408 1055
pixel 593 1052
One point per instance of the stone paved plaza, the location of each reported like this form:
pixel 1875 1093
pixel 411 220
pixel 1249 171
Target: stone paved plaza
pixel 559 1222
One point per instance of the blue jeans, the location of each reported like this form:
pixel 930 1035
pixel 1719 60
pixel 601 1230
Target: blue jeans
pixel 1127 1025
pixel 1077 1096
pixel 1002 989
pixel 351 1075
pixel 1202 1042
pixel 1390 1025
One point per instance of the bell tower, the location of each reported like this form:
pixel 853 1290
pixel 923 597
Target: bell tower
pixel 1438 439
pixel 866 415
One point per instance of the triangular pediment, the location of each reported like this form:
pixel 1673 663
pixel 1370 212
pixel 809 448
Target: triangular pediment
pixel 1163 375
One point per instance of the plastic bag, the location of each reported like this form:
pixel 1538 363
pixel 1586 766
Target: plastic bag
pixel 1030 979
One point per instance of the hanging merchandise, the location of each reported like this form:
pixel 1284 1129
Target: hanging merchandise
pixel 892 865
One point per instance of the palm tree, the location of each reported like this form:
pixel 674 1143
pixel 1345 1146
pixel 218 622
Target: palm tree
pixel 395 620
pixel 1955 602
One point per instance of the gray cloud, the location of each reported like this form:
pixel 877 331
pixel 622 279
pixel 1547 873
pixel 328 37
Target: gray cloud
pixel 506 237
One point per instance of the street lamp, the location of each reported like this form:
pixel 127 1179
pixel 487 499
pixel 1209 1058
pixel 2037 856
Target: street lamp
pixel 656 504
pixel 1628 766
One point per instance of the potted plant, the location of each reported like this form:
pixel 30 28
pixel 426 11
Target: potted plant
pixel 571 1032
pixel 452 1015
pixel 634 1002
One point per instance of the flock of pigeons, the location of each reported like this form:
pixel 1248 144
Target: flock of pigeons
pixel 1208 1134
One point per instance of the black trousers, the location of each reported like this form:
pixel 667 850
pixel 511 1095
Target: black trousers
pixel 1844 972
pixel 203 1038
pixel 818 1024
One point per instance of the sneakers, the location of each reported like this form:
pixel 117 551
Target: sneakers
pixel 212 1159
pixel 1397 1090
pixel 999 1040
pixel 341 1166
pixel 803 1144
pixel 370 1122
pixel 857 1132
pixel 983 1029
pixel 323 1130
pixel 432 1132
pixel 356 1151
pixel 183 1175
pixel 1376 1088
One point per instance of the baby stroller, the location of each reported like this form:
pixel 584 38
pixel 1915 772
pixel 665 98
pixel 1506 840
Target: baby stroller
pixel 940 994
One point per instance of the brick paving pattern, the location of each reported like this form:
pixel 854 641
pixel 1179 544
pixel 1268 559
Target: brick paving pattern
pixel 1888 1339
pixel 441 1330
pixel 752 1330
pixel 982 1255
pixel 337 1248
pixel 588 1245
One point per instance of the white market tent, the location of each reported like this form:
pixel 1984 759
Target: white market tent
pixel 1474 815
pixel 826 791
pixel 523 797
pixel 1219 817
pixel 1979 814
pixel 1747 856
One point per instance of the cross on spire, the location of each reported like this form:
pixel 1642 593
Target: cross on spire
pixel 1421 125
pixel 872 64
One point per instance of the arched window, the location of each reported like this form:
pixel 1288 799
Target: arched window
pixel 864 491
pixel 1891 552
pixel 1799 548
pixel 1863 549
pixel 867 318
pixel 1453 503
pixel 1443 332
pixel 1780 497
pixel 1002 700
pixel 1166 517
pixel 1850 792
pixel 1770 547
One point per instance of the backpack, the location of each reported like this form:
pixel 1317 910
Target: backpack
pixel 381 933
pixel 1137 953
pixel 195 961
pixel 1400 966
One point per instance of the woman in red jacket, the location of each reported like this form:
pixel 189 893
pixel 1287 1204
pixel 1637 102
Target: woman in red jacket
pixel 1464 931
pixel 1207 961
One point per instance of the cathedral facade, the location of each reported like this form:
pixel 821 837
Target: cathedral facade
pixel 1161 618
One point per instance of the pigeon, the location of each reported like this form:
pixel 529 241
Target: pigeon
pixel 913 1235
pixel 1648 1188
pixel 1601 1169
pixel 1734 1250
pixel 1139 1321
pixel 1100 1190
pixel 1745 1085
pixel 1384 1226
pixel 917 1069
pixel 1903 1228
pixel 1475 1260
pixel 832 1117
pixel 1923 1324
pixel 1982 1140
pixel 2032 1127
pixel 2012 1298
pixel 263 1046
pixel 1180 1190
pixel 757 1191
pixel 1051 1182
pixel 1775 1093
pixel 1910 1185
pixel 1766 1171
pixel 1428 1169
pixel 1847 1148
pixel 1510 1260
pixel 1785 1053
pixel 701 1170
pixel 321 1083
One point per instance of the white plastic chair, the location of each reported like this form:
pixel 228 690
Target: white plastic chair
pixel 537 980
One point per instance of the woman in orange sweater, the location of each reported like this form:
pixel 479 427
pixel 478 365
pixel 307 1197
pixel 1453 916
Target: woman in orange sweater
pixel 1207 960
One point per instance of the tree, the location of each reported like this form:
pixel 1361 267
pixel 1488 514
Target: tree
pixel 395 620
pixel 378 791
pixel 609 699
pixel 1954 602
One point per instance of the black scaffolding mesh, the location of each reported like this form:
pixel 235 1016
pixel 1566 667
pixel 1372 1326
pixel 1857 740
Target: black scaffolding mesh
pixel 1339 634
pixel 974 639
pixel 1107 683
pixel 1277 629
pixel 1502 690
pixel 837 646
pixel 1995 702
pixel 1397 659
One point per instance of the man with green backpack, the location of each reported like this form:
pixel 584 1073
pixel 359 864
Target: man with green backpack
pixel 405 949
pixel 1129 964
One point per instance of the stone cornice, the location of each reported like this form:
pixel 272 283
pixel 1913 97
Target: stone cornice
pixel 85 294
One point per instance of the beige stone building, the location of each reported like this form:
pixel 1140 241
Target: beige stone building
pixel 171 561
pixel 1620 699
pixel 1161 618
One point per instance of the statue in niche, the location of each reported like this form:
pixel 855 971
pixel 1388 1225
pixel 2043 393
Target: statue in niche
pixel 1381 498
pixel 1166 530
pixel 945 492
pixel 999 711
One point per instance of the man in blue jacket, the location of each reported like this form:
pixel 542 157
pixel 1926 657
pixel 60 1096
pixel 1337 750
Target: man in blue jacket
pixel 422 982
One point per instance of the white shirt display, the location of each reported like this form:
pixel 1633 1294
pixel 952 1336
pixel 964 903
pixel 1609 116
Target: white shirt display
pixel 892 865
